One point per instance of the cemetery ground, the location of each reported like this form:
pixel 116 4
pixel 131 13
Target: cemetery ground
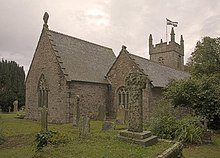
pixel 20 135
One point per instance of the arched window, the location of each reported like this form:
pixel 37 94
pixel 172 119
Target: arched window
pixel 122 95
pixel 42 92
pixel 161 60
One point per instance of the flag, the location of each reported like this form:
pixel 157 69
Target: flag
pixel 169 22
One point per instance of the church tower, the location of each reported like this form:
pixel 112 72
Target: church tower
pixel 169 54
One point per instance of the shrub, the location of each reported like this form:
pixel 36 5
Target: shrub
pixel 190 130
pixel 49 137
pixel 167 123
pixel 163 122
pixel 20 114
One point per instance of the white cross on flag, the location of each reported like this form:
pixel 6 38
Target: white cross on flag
pixel 169 22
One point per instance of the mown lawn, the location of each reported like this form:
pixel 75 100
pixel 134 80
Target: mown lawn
pixel 205 150
pixel 20 135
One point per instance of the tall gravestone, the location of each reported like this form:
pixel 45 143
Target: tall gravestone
pixel 135 83
pixel 76 111
pixel 15 104
pixel 84 126
pixel 44 123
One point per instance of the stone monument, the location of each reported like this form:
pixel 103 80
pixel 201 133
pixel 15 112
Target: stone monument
pixel 135 83
pixel 15 104
pixel 76 111
pixel 121 114
pixel 44 123
pixel 84 126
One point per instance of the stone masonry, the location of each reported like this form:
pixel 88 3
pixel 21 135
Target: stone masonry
pixel 135 83
pixel 171 54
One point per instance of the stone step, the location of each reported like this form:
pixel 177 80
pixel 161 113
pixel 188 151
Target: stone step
pixel 145 142
pixel 135 135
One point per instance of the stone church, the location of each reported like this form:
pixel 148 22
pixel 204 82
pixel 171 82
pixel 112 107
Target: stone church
pixel 66 72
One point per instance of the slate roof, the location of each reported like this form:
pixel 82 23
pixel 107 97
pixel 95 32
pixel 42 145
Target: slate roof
pixel 159 74
pixel 81 60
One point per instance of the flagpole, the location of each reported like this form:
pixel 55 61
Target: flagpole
pixel 166 30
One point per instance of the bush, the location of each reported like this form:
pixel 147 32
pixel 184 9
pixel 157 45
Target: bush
pixel 20 114
pixel 163 122
pixel 166 123
pixel 49 137
pixel 190 130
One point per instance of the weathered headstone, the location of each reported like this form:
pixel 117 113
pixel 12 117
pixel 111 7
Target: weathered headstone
pixel 135 83
pixel 76 111
pixel 84 126
pixel 44 123
pixel 107 125
pixel 15 104
pixel 9 109
pixel 102 112
pixel 121 114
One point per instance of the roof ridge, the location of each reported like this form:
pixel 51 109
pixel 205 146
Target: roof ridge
pixel 79 39
pixel 156 63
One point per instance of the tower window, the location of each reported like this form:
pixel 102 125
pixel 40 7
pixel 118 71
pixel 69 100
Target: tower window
pixel 161 60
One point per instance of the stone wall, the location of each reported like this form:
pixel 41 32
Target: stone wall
pixel 93 99
pixel 117 74
pixel 45 62
pixel 172 54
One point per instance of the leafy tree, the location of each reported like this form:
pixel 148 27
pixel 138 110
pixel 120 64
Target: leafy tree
pixel 12 88
pixel 205 60
pixel 201 92
pixel 202 95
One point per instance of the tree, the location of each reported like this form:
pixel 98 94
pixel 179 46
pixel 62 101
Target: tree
pixel 201 92
pixel 12 87
pixel 202 95
pixel 205 60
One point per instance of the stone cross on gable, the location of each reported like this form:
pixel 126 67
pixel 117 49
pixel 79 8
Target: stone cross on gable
pixel 44 123
pixel 135 82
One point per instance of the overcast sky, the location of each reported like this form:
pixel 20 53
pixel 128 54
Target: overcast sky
pixel 111 23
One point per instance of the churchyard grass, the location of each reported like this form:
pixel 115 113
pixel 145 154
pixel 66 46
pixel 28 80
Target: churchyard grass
pixel 20 135
pixel 205 150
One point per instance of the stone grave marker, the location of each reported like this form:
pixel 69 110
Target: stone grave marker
pixel 15 104
pixel 135 83
pixel 102 112
pixel 9 109
pixel 106 125
pixel 121 114
pixel 84 126
pixel 44 123
pixel 76 111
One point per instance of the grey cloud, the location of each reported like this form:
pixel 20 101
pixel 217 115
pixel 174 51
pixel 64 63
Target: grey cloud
pixel 129 23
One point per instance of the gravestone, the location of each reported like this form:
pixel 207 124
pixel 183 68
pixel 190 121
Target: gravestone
pixel 84 126
pixel 106 125
pixel 44 123
pixel 9 109
pixel 102 112
pixel 15 104
pixel 121 114
pixel 135 83
pixel 76 111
